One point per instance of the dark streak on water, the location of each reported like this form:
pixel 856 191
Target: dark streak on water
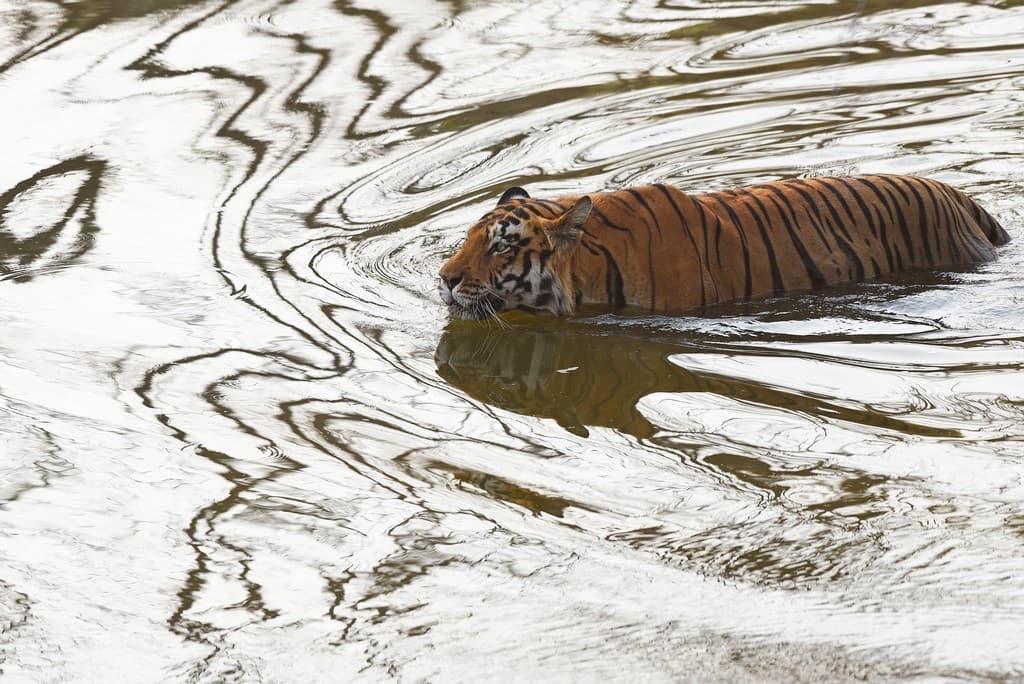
pixel 239 442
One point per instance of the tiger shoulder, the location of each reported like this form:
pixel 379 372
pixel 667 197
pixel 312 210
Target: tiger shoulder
pixel 666 250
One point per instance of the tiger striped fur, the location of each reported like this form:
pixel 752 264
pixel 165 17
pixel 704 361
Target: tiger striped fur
pixel 662 249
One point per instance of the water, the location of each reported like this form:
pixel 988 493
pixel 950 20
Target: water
pixel 240 441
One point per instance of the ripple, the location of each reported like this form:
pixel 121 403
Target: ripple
pixel 49 238
pixel 227 382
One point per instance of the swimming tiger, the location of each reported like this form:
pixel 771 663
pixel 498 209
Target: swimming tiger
pixel 659 248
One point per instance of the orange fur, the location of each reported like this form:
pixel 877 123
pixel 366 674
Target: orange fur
pixel 657 247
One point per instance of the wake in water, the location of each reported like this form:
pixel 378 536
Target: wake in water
pixel 237 425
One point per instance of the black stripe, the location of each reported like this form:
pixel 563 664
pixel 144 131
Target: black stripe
pixel 748 282
pixel 971 230
pixel 977 212
pixel 640 198
pixel 827 183
pixel 858 265
pixel 952 214
pixel 718 232
pixel 878 194
pixel 883 226
pixel 845 245
pixel 811 211
pixel 533 210
pixel 613 278
pixel 907 239
pixel 543 256
pixel 962 232
pixel 778 288
pixel 888 182
pixel 707 248
pixel 554 206
pixel 989 226
pixel 839 224
pixel 604 219
pixel 892 181
pixel 994 231
pixel 975 208
pixel 650 238
pixel 852 233
pixel 626 206
pixel 941 202
pixel 855 227
pixel 997 235
pixel 966 236
pixel 542 209
pixel 922 218
pixel 877 229
pixel 682 224
pixel 856 193
pixel 796 219
pixel 818 281
pixel 527 264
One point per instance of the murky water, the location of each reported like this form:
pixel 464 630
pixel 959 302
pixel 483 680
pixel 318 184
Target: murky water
pixel 240 442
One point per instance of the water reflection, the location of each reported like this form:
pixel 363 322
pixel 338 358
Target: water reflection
pixel 226 381
pixel 578 377
pixel 581 374
pixel 49 219
pixel 77 18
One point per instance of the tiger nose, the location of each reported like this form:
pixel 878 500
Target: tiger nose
pixel 447 287
pixel 451 281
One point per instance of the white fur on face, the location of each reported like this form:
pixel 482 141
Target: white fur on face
pixel 505 229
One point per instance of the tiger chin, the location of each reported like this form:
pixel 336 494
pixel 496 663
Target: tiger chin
pixel 659 248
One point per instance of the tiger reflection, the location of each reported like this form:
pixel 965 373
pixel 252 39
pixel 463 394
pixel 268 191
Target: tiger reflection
pixel 581 376
pixel 575 377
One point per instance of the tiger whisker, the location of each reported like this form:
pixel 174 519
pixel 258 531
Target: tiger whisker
pixel 502 324
pixel 488 309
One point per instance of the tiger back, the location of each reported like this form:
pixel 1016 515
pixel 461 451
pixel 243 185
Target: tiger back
pixel 662 249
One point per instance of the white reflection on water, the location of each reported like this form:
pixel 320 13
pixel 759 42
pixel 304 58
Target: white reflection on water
pixel 239 441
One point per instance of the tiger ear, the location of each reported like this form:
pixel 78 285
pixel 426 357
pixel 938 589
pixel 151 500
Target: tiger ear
pixel 565 231
pixel 512 193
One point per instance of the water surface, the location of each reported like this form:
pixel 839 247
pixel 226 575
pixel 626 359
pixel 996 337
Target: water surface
pixel 240 441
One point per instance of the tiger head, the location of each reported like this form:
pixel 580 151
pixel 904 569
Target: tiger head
pixel 518 256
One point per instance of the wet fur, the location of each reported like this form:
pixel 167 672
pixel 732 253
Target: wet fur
pixel 659 248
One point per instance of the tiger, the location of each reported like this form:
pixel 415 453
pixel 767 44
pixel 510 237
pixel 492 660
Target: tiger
pixel 657 248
